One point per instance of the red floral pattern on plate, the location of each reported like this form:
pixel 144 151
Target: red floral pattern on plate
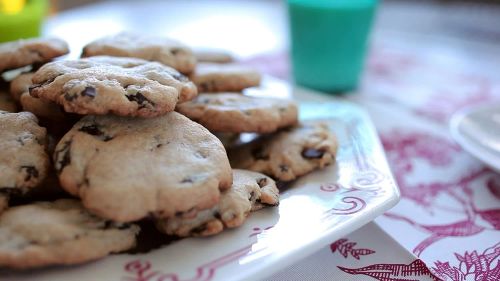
pixel 344 247
pixel 141 270
pixel 393 272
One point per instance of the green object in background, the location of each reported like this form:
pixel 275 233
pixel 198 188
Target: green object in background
pixel 328 41
pixel 25 22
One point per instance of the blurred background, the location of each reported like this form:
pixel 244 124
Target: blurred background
pixel 457 33
pixel 263 20
pixel 477 18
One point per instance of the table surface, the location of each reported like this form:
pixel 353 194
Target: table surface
pixel 426 62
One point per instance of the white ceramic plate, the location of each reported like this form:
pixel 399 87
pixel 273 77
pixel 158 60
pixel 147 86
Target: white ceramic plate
pixel 477 130
pixel 314 211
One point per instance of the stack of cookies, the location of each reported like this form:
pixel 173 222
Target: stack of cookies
pixel 129 133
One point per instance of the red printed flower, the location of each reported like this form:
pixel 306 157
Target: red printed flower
pixel 394 272
pixel 344 247
pixel 472 266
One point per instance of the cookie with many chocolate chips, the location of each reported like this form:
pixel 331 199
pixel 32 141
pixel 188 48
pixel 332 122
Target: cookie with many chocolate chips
pixel 288 154
pixel 212 77
pixel 59 233
pixel 236 113
pixel 23 159
pixel 122 86
pixel 152 48
pixel 250 191
pixel 25 52
pixel 128 168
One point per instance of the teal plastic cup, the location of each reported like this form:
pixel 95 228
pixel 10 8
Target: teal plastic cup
pixel 328 42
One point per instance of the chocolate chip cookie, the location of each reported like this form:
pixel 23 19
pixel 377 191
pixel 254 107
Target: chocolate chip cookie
pixel 59 233
pixel 42 108
pixel 7 103
pixel 288 154
pixel 128 168
pixel 20 85
pixel 166 51
pixel 211 77
pixel 19 90
pixel 122 86
pixel 30 51
pixel 212 55
pixel 250 191
pixel 236 113
pixel 23 159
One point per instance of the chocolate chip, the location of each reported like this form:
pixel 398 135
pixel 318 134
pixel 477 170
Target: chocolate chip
pixel 140 99
pixel 312 153
pixel 262 182
pixel 207 86
pixel 258 153
pixel 93 129
pixel 89 92
pixel 284 168
pixel 180 77
pixel 62 157
pixel 69 97
pixel 200 154
pixel 137 97
pixel 217 215
pixel 20 140
pixel 194 178
pixel 252 196
pixel 123 226
pixel 107 224
pixel 187 180
pixel 174 51
pixel 31 172
pixel 199 229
